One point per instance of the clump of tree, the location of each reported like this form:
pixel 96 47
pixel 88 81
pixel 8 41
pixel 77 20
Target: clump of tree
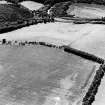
pixel 4 41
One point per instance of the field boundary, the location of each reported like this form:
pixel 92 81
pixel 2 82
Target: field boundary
pixel 66 48
pixel 84 54
pixel 92 91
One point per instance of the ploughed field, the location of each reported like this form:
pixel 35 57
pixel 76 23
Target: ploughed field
pixel 40 75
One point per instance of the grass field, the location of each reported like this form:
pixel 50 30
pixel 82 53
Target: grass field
pixel 78 13
pixel 31 74
pixel 86 10
pixel 31 5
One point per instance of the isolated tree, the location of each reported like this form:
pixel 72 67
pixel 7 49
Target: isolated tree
pixel 3 41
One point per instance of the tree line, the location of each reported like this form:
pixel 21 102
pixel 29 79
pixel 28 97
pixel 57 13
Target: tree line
pixel 90 95
pixel 24 43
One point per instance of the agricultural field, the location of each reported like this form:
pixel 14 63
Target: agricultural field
pixel 31 5
pixel 36 74
pixel 86 10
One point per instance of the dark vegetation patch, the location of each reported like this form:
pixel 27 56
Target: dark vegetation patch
pixel 88 21
pixel 10 26
pixel 12 12
pixel 13 17
pixel 91 21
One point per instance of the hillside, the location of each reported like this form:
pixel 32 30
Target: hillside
pixel 11 12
